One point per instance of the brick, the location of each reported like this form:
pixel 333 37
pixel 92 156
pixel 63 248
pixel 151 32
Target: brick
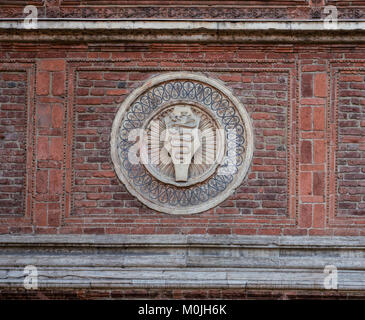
pixel 313 101
pixel 231 78
pixel 320 85
pixel 319 215
pixel 13 77
pixel 115 76
pixel 352 78
pixel 43 83
pixel 116 92
pixel 244 231
pixel 52 65
pixel 43 148
pixel 318 183
pixel 219 231
pixel 305 183
pixel 305 216
pixel 54 218
pixel 89 101
pixel 55 181
pixel 313 68
pixel 306 152
pixel 104 174
pixel 312 167
pixel 319 118
pixel 44 115
pixel 89 75
pixel 307 85
pixel 97 181
pixel 269 231
pixel 56 148
pixel 58 83
pixel 42 181
pixel 311 199
pixel 312 135
pixel 97 92
pixel 319 152
pixel 306 118
pixel 40 214
pixel 138 76
pixel 57 116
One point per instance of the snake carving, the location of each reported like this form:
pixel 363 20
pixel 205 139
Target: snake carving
pixel 182 139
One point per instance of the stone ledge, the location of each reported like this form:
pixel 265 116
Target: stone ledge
pixel 191 25
pixel 93 30
pixel 324 242
pixel 182 261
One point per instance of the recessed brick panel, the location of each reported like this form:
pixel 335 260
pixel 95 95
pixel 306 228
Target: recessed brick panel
pixel 96 188
pixel 98 94
pixel 13 147
pixel 265 96
pixel 351 145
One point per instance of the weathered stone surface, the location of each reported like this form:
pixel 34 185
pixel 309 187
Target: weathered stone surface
pixel 185 31
pixel 183 261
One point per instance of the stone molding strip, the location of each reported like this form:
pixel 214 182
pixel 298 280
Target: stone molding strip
pixel 193 24
pixel 92 30
pixel 169 261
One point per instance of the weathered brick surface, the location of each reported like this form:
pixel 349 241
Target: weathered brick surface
pixel 312 124
pixel 290 98
pixel 177 294
pixel 351 145
pixel 50 142
pixel 96 187
pixel 13 118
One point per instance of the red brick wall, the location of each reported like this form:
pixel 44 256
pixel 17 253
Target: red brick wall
pixel 13 113
pixel 177 294
pixel 306 106
pixel 97 190
pixel 351 145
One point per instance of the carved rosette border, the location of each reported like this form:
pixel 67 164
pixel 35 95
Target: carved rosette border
pixel 298 10
pixel 254 65
pixel 180 12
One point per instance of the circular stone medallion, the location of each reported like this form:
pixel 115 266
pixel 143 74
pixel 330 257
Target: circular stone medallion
pixel 181 143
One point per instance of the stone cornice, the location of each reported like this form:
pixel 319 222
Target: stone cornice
pixel 187 24
pixel 101 30
pixel 178 261
pixel 230 241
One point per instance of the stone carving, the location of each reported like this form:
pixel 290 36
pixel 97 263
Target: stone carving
pixel 185 129
pixel 177 12
pixel 182 139
pixel 173 12
pixel 298 10
pixel 181 143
